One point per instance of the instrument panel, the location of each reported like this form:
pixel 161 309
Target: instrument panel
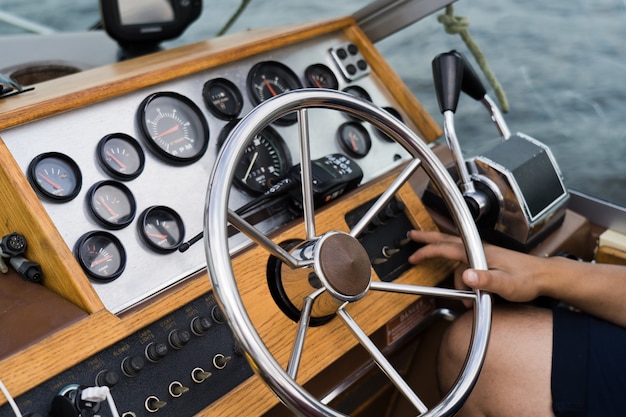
pixel 124 179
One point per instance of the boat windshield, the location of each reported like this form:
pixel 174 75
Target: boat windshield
pixel 560 65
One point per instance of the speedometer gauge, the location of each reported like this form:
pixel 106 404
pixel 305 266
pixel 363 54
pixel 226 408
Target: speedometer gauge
pixel 174 127
pixel 264 162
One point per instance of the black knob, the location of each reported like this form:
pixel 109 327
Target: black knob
pixel 200 325
pixel 217 315
pixel 132 365
pixel 107 378
pixel 179 338
pixel 156 351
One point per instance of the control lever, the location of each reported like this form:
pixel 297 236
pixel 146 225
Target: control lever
pixel 448 70
pixel 473 87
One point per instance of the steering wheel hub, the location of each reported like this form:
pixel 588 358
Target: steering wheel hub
pixel 343 265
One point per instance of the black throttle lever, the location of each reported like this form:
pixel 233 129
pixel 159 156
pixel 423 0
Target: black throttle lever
pixel 448 75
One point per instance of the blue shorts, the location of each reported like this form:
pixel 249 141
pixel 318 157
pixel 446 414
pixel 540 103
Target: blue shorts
pixel 588 366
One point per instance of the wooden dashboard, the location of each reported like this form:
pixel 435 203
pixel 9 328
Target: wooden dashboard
pixel 88 326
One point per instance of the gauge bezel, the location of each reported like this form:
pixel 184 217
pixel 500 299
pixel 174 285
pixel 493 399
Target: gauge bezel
pixel 117 244
pixel 141 227
pixel 291 79
pixel 125 220
pixel 310 71
pixel 178 100
pixel 235 95
pixel 133 143
pixel 345 146
pixel 74 170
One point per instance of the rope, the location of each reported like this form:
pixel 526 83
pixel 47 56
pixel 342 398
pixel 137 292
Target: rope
pixel 458 25
pixel 234 17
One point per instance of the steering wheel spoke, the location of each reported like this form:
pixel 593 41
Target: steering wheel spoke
pixel 423 290
pixel 385 366
pixel 262 240
pixel 385 198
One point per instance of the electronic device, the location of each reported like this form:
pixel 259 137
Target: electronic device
pixel 146 23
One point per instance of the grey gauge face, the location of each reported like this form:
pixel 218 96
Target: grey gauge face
pixel 173 127
pixel 161 228
pixel 101 255
pixel 121 156
pixel 112 204
pixel 55 176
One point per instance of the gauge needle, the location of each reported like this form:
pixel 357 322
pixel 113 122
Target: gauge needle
pixel 317 83
pixel 168 131
pixel 245 177
pixel 49 181
pixel 269 87
pixel 353 141
pixel 106 206
pixel 117 161
pixel 99 261
pixel 157 235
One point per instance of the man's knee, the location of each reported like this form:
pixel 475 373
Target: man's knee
pixel 453 350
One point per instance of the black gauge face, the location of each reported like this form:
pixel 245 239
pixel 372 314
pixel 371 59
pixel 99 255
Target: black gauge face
pixel 320 76
pixel 55 176
pixel 270 78
pixel 174 127
pixel 395 113
pixel 222 98
pixel 101 255
pixel 121 156
pixel 264 162
pixel 112 204
pixel 354 139
pixel 161 228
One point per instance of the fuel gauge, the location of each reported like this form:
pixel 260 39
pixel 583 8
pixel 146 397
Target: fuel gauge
pixel 161 228
pixel 354 139
pixel 101 255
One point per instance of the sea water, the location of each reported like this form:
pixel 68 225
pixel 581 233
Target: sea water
pixel 561 64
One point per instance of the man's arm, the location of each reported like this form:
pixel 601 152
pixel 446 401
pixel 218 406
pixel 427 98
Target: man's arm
pixel 597 289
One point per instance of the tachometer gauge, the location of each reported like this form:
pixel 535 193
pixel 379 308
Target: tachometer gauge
pixel 270 78
pixel 55 176
pixel 161 228
pixel 121 156
pixel 101 255
pixel 264 162
pixel 112 204
pixel 174 127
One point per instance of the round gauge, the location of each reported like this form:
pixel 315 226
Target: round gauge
pixel 395 113
pixel 320 76
pixel 174 127
pixel 270 78
pixel 112 204
pixel 55 176
pixel 161 228
pixel 222 98
pixel 354 139
pixel 359 92
pixel 101 255
pixel 264 162
pixel 121 156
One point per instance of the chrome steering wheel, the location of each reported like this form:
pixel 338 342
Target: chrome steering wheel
pixel 334 255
